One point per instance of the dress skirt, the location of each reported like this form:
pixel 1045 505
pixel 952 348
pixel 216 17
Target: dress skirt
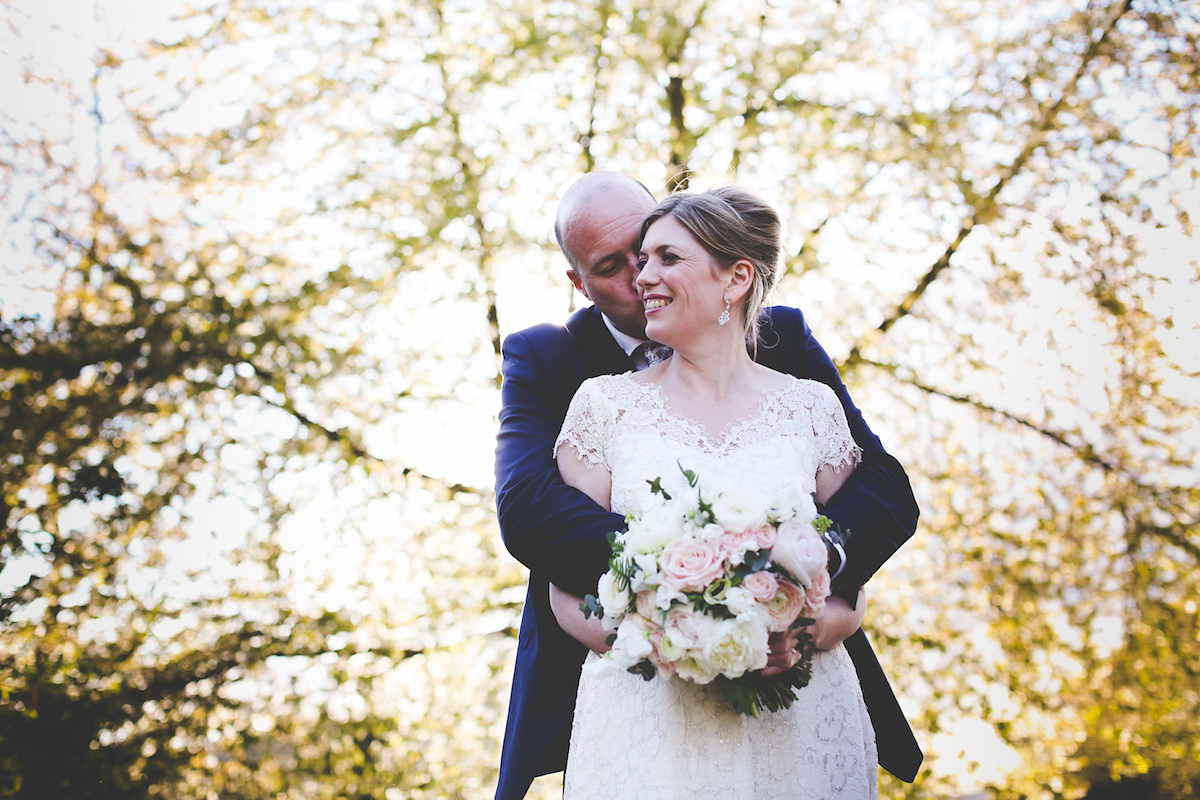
pixel 674 740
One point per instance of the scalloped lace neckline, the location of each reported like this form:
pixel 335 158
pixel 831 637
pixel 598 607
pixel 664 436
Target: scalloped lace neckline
pixel 731 434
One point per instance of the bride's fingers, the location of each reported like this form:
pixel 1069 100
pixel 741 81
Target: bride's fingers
pixel 782 654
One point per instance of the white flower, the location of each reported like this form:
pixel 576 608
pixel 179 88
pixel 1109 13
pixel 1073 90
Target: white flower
pixel 646 573
pixel 651 532
pixel 711 532
pixel 795 503
pixel 735 647
pixel 670 649
pixel 605 668
pixel 806 506
pixel 633 643
pixel 680 490
pixel 739 509
pixel 741 603
pixel 668 596
pixel 614 599
pixel 696 668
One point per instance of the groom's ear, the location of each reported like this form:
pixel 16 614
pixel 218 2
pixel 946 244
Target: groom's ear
pixel 578 281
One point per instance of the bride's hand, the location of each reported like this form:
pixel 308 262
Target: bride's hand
pixel 782 654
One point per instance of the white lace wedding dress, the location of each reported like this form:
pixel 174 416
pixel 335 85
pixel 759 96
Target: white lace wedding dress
pixel 666 739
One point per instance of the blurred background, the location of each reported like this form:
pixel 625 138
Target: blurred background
pixel 258 256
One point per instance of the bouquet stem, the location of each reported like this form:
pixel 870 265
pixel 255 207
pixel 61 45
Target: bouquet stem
pixel 753 693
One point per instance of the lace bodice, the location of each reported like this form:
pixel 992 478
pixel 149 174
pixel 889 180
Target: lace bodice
pixel 626 426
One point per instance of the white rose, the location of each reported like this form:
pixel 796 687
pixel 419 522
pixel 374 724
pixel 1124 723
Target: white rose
pixel 735 648
pixel 711 532
pixel 615 600
pixel 651 532
pixel 670 649
pixel 739 509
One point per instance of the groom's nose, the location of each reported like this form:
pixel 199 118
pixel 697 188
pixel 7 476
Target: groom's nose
pixel 631 270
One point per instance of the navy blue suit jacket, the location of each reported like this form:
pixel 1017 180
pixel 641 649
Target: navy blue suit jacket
pixel 560 534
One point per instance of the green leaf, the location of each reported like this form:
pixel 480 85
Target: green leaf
pixel 591 607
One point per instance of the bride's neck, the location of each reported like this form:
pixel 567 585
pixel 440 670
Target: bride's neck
pixel 715 373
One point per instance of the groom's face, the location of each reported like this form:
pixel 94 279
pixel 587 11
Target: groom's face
pixel 602 242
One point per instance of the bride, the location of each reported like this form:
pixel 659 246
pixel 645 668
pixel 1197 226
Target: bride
pixel 707 262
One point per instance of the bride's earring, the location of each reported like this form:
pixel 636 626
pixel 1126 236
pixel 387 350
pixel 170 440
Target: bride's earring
pixel 721 320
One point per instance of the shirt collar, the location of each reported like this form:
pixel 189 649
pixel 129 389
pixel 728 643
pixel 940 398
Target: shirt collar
pixel 628 343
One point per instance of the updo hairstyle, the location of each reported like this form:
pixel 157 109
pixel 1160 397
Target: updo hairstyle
pixel 732 224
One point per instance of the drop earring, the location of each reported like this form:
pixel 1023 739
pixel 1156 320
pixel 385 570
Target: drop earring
pixel 721 320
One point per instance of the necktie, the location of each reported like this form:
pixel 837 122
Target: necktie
pixel 648 354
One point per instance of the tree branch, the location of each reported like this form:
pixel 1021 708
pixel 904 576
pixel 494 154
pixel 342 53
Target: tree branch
pixel 987 208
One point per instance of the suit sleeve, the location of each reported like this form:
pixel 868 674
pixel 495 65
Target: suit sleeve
pixel 550 527
pixel 876 504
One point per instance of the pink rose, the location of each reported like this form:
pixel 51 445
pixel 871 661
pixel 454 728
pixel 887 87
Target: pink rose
pixel 647 606
pixel 786 606
pixel 738 542
pixel 691 564
pixel 662 666
pixel 800 551
pixel 763 585
pixel 817 593
pixel 687 629
pixel 766 536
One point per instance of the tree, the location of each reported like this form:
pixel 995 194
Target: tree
pixel 169 418
pixel 285 236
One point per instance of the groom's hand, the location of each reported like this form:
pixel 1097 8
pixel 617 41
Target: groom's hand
pixel 830 630
pixel 838 621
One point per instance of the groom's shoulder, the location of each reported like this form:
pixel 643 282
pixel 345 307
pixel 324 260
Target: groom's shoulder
pixel 782 326
pixel 558 335
pixel 781 316
pixel 556 344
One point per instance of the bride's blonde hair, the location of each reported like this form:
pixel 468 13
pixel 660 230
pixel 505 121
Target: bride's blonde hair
pixel 732 224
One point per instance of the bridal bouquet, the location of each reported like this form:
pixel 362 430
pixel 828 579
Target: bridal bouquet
pixel 699 582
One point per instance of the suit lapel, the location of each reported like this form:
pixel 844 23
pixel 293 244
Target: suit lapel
pixel 599 353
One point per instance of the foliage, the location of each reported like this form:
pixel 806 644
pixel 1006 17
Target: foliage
pixel 282 240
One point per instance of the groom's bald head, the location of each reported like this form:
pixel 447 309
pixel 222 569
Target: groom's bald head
pixel 598 222
pixel 590 199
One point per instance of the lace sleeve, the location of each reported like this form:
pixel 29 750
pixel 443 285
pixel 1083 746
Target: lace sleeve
pixel 835 445
pixel 585 427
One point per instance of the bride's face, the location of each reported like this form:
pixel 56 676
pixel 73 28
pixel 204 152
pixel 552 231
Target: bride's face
pixel 681 285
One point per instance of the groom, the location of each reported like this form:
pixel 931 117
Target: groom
pixel 561 535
